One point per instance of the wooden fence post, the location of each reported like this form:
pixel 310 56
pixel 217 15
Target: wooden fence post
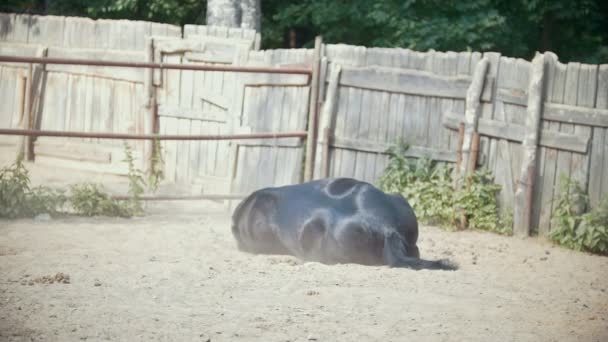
pixel 326 123
pixel 32 93
pixel 150 105
pixel 312 111
pixel 522 208
pixel 471 117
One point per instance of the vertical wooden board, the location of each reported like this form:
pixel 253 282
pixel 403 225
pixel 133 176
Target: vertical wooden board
pixel 464 64
pixel 401 59
pixel 7 22
pixel 391 121
pixel 71 98
pixel 351 116
pixel 46 30
pixel 8 92
pixel 555 80
pixel 598 177
pixel 86 111
pixel 406 120
pixel 384 118
pixel 564 159
pixel 186 97
pixel 487 145
pixel 499 160
pixel 237 182
pixel 142 30
pixel 172 81
pixel 194 150
pixel 370 117
pixel 587 87
pixel 103 32
pixel 202 150
pixel 20 29
pixel 122 35
pixel 79 33
pixel 340 123
pixel 381 163
pixel 107 105
pixel 159 30
pixel 361 122
pixel 504 177
pixel 183 151
pixel 170 127
pixel 55 114
pixel 14 118
pixel 97 105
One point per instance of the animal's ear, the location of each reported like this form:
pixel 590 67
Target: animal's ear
pixel 311 234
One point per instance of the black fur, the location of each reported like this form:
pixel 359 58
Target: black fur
pixel 339 220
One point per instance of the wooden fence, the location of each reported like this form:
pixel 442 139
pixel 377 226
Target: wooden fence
pixel 378 96
pixel 536 120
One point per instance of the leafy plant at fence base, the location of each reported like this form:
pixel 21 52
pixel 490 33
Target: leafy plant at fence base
pixel 574 228
pixel 90 199
pixel 427 185
pixel 18 199
pixel 136 182
pixel 478 200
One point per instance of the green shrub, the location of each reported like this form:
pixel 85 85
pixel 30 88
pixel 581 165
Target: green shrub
pixel 18 199
pixel 478 201
pixel 89 199
pixel 428 187
pixel 574 228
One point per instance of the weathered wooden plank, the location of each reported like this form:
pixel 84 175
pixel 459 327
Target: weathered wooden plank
pixel 564 159
pixel 598 177
pixel 555 74
pixel 522 207
pixel 77 32
pixel 127 74
pixel 514 132
pixel 472 112
pixel 381 147
pixel 406 82
pixel 351 116
pixel 487 146
pixel 326 124
pixel 585 97
pixel 578 115
pixel 191 113
pixel 72 150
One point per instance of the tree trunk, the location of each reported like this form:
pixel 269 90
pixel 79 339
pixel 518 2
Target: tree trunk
pixel 223 13
pixel 235 13
pixel 251 14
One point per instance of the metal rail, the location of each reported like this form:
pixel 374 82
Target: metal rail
pixel 127 136
pixel 149 65
pixel 185 198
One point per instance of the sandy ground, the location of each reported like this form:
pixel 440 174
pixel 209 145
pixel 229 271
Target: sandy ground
pixel 175 275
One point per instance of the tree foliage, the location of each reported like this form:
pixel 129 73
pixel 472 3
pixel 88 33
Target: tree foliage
pixel 577 30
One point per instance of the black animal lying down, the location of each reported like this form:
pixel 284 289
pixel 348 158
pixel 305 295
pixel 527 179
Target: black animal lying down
pixel 331 221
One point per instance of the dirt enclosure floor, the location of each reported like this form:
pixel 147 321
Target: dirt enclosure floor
pixel 175 275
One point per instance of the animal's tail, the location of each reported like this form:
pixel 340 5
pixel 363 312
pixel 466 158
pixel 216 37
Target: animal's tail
pixel 396 255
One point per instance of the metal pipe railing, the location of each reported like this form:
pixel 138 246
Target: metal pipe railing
pixel 149 65
pixel 128 136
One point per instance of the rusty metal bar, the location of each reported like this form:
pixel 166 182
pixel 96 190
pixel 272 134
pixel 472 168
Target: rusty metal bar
pixel 185 198
pixel 126 136
pixel 91 62
pixel 473 155
pixel 459 155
